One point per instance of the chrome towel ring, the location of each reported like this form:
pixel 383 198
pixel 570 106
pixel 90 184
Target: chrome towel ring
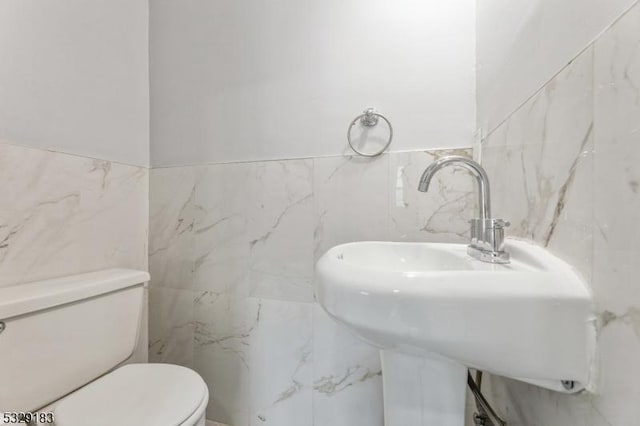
pixel 370 118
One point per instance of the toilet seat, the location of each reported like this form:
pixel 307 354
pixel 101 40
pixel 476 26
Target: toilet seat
pixel 137 394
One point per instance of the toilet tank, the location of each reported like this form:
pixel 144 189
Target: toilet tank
pixel 57 335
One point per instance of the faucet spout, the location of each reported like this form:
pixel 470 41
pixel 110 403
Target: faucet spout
pixel 486 234
pixel 484 203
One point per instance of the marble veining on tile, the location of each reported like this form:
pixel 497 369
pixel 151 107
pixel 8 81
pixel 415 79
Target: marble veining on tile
pixel 617 202
pixel 63 214
pixel 223 327
pixel 171 326
pixel 281 228
pixel 576 161
pixel 439 215
pixel 347 379
pixel 540 164
pixel 172 218
pixel 223 197
pixel 242 239
pixel 350 200
pixel 281 365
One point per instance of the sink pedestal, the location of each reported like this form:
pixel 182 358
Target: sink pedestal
pixel 422 391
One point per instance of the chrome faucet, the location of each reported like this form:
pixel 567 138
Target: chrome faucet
pixel 487 234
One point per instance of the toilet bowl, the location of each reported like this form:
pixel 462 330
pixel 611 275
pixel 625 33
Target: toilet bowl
pixel 71 339
pixel 135 395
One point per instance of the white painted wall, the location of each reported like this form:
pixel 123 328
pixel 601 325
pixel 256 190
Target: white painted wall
pixel 523 43
pixel 74 77
pixel 257 79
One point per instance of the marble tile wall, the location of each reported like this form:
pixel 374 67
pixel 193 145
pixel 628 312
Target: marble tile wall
pixel 232 252
pixel 565 170
pixel 63 214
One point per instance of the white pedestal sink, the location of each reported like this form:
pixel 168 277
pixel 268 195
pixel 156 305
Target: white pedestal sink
pixel 434 311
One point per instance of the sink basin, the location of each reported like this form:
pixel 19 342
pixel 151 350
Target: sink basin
pixel 531 319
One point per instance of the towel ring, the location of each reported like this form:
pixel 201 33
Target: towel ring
pixel 370 118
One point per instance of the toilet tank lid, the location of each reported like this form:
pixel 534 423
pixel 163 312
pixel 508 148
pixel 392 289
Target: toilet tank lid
pixel 27 298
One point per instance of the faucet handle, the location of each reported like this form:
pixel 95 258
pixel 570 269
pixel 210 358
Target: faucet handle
pixel 500 223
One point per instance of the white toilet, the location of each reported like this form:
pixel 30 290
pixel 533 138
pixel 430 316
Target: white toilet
pixel 61 344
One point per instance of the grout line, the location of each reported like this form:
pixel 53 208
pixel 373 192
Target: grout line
pixel 354 155
pixel 71 154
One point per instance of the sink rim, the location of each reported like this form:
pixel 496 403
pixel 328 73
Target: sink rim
pixel 359 273
pixel 534 255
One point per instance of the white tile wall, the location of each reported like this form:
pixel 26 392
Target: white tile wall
pixel 62 215
pixel 242 239
pixel 566 172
